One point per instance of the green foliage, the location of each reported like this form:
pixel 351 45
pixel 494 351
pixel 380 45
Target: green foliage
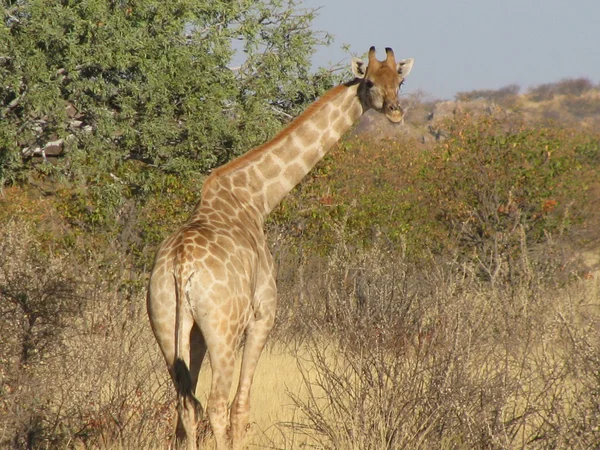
pixel 493 183
pixel 491 176
pixel 147 80
pixel 363 188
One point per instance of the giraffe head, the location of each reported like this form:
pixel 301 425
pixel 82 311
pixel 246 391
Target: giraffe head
pixel 380 83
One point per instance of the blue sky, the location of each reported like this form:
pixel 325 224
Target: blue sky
pixel 468 44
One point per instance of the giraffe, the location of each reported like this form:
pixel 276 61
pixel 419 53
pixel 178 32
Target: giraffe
pixel 213 280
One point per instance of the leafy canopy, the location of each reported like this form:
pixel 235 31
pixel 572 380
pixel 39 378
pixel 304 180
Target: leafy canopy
pixel 182 86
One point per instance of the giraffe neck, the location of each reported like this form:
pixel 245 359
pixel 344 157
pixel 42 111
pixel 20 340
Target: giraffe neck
pixel 262 177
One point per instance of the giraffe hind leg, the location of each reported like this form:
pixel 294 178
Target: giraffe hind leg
pixel 256 338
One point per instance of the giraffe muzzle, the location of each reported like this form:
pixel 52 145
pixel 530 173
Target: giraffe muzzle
pixel 394 112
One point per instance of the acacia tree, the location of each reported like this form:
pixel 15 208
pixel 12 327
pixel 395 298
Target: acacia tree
pixel 181 85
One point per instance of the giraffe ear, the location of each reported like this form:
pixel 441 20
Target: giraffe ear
pixel 359 68
pixel 404 67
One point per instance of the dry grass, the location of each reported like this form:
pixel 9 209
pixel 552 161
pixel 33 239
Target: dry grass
pixel 487 368
pixel 372 351
pixel 277 377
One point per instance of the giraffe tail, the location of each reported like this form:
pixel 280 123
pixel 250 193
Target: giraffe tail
pixel 181 371
pixel 183 379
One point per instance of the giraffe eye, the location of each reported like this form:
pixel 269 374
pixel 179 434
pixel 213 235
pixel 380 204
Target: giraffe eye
pixel 369 84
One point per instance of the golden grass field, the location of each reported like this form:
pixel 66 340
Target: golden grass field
pixel 469 365
pixel 276 376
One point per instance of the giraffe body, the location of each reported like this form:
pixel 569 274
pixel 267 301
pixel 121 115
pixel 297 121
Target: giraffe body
pixel 213 280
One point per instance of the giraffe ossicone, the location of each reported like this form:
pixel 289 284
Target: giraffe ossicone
pixel 213 280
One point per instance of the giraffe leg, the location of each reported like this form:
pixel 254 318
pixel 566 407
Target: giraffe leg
pixel 222 361
pixel 256 337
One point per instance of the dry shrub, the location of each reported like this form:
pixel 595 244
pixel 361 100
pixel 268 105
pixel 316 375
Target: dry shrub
pixel 38 297
pixel 79 365
pixel 39 294
pixel 443 357
pixel 345 290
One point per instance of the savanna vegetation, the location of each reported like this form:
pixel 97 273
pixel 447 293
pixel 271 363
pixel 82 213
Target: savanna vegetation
pixel 439 281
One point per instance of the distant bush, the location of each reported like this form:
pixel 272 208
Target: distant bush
pixel 543 92
pixel 582 107
pixel 489 184
pixel 505 96
pixel 570 86
pixel 576 86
